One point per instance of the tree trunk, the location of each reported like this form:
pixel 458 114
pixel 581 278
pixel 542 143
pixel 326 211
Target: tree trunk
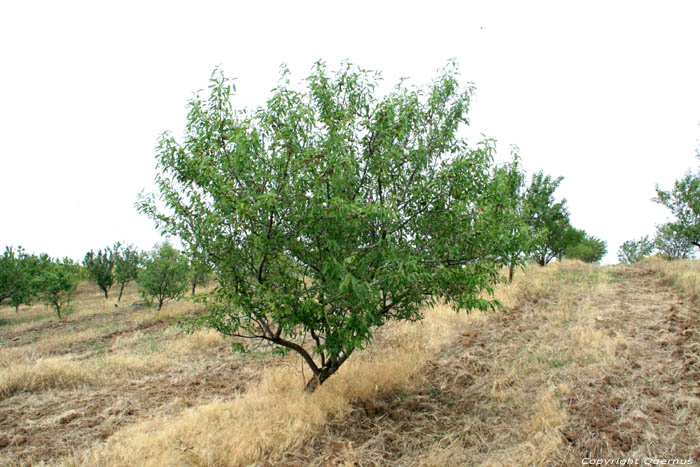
pixel 160 303
pixel 121 291
pixel 511 268
pixel 105 291
pixel 324 373
pixel 16 308
pixel 194 285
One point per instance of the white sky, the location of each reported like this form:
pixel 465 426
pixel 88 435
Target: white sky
pixel 606 94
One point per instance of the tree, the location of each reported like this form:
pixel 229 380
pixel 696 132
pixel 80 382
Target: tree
pixel 548 220
pixel 633 251
pixel 165 275
pixel 331 211
pixel 126 265
pixel 56 283
pixel 100 268
pixel 200 271
pixel 684 203
pixel 589 249
pixel 17 272
pixel 510 180
pixel 671 244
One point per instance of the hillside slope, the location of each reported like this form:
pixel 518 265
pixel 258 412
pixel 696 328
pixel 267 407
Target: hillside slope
pixel 581 362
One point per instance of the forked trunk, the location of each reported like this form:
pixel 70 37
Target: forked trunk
pixel 322 374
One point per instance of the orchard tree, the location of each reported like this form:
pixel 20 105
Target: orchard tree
pixel 17 273
pixel 684 202
pixel 100 268
pixel 126 265
pixel 671 244
pixel 510 180
pixel 164 276
pixel 548 219
pixel 633 251
pixel 56 283
pixel 331 211
pixel 200 271
pixel 588 248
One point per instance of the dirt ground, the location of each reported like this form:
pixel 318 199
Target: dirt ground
pixel 646 404
pixel 589 365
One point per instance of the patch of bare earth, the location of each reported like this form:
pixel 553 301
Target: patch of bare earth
pixel 46 425
pixel 481 403
pixel 648 404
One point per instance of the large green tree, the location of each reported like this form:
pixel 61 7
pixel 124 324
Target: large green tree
pixel 548 219
pixel 331 210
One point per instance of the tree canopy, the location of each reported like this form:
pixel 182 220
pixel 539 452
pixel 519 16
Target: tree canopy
pixel 684 202
pixel 331 210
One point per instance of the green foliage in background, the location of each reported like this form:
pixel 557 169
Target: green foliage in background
pixel 671 244
pixel 589 249
pixel 633 251
pixel 100 267
pixel 548 219
pixel 684 202
pixel 57 282
pixel 165 275
pixel 127 260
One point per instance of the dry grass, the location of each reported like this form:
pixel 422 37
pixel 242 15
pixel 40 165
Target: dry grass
pixel 581 361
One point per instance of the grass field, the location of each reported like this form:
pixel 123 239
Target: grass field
pixel 581 362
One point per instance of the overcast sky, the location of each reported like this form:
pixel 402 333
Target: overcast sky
pixel 605 94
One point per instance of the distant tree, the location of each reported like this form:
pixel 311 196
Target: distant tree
pixel 548 219
pixel 333 211
pixel 671 244
pixel 56 283
pixel 200 271
pixel 16 277
pixel 127 260
pixel 510 180
pixel 100 267
pixel 589 249
pixel 165 275
pixel 633 251
pixel 9 273
pixel 684 202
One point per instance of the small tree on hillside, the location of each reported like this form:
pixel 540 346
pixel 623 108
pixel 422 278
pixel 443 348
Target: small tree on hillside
pixel 671 244
pixel 589 249
pixel 17 273
pixel 548 220
pixel 200 272
pixel 127 260
pixel 633 251
pixel 56 283
pixel 164 276
pixel 331 211
pixel 684 202
pixel 510 180
pixel 100 268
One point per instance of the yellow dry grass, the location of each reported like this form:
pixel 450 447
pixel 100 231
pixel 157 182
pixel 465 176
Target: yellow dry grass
pixel 492 389
pixel 275 415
